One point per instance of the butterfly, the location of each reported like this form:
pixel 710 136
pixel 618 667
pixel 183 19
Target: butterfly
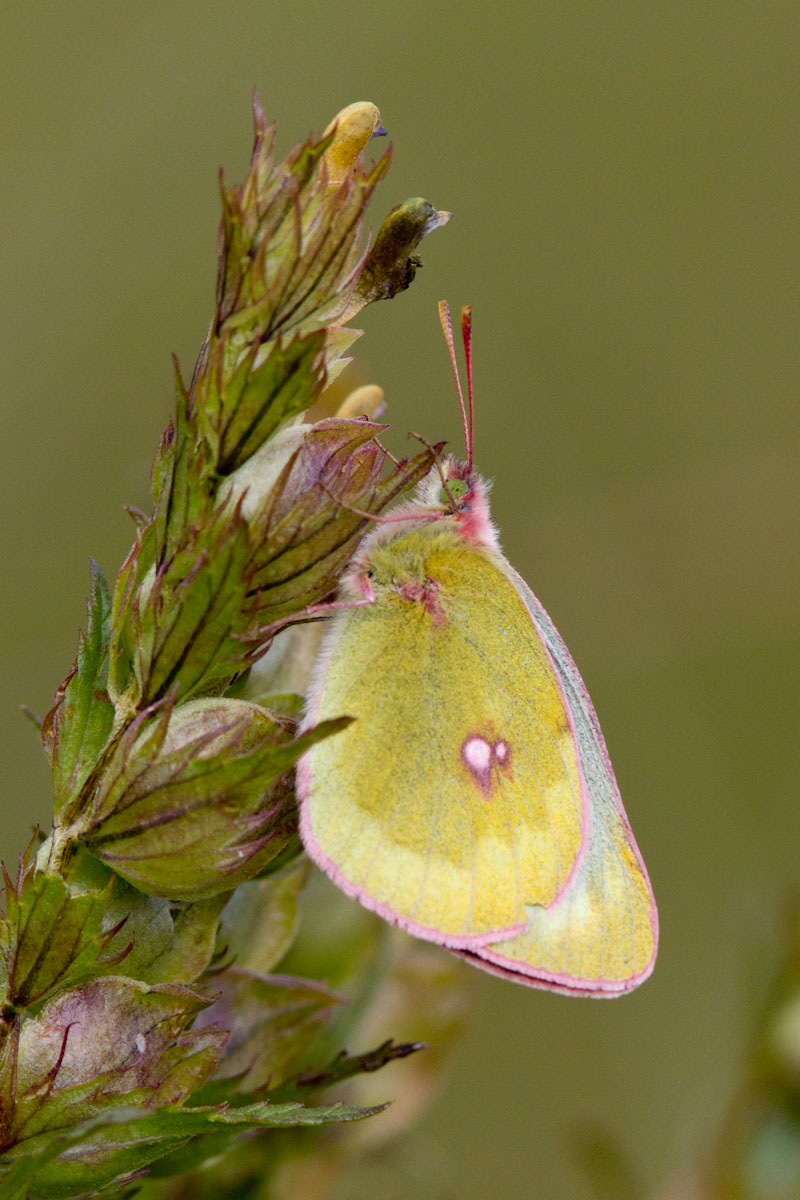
pixel 472 801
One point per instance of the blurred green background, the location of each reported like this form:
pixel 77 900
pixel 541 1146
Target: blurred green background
pixel 625 180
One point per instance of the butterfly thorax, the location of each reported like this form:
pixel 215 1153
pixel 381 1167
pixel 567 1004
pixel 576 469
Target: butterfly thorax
pixel 450 509
pixel 409 559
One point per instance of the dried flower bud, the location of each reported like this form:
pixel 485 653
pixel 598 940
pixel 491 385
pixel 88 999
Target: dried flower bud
pixel 391 264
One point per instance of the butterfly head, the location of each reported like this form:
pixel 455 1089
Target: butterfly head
pixel 455 493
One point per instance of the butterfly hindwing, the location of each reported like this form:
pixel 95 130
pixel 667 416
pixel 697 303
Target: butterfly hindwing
pixel 601 934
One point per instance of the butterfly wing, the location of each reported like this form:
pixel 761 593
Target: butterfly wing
pixel 600 936
pixel 454 802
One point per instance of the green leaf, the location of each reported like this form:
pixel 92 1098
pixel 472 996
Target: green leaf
pixel 20 1173
pixel 242 411
pixel 111 1148
pixel 259 921
pixel 121 679
pixel 169 944
pixel 77 727
pixel 51 936
pixel 195 808
pixel 181 485
pixel 272 1020
pixel 185 633
pixel 191 946
pixel 148 928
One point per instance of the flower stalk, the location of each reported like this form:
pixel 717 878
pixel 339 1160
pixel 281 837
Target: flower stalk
pixel 137 1017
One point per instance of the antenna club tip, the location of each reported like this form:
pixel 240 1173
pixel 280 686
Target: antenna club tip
pixel 466 334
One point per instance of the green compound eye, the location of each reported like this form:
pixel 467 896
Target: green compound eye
pixel 456 489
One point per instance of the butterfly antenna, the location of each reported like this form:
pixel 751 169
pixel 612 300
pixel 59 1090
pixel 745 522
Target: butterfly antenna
pixel 392 519
pixel 447 328
pixel 436 451
pixel 466 335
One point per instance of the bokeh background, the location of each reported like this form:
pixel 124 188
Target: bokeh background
pixel 625 179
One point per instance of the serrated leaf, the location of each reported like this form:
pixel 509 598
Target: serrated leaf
pixel 57 1166
pixel 77 727
pixel 346 1066
pixel 338 340
pixel 272 1021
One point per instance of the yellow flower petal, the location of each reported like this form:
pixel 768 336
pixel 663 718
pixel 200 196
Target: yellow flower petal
pixel 354 126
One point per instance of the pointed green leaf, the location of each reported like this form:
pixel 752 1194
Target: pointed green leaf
pixel 20 1171
pixel 180 488
pixel 149 930
pixel 261 394
pixel 208 807
pixel 111 1148
pixel 78 725
pixel 186 629
pixel 165 943
pixel 121 640
pixel 52 937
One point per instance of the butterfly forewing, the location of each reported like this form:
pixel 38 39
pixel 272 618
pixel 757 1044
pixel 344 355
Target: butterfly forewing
pixel 455 802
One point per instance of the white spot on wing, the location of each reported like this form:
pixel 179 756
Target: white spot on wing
pixel 481 756
pixel 477 755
